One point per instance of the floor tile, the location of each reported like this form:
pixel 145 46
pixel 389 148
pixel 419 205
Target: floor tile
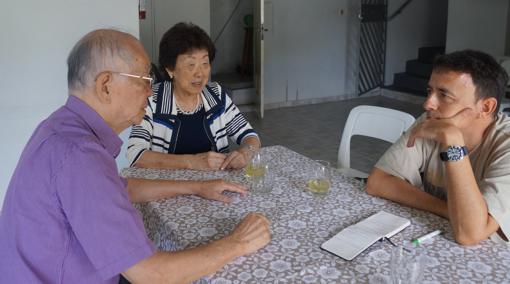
pixel 315 130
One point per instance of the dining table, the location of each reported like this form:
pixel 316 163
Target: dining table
pixel 301 221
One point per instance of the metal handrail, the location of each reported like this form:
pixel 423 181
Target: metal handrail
pixel 399 10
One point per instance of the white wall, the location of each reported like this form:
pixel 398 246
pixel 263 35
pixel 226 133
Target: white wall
pixel 422 23
pixel 305 51
pixel 230 44
pixel 352 48
pixel 478 25
pixel 36 39
pixel 163 14
pixel 146 27
pixel 507 45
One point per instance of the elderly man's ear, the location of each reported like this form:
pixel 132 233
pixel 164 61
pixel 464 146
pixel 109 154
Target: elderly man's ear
pixel 104 87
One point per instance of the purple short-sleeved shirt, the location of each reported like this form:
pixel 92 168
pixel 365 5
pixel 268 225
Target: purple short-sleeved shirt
pixel 66 216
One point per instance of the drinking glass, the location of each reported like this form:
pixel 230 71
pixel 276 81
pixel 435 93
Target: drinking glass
pixel 262 183
pixel 258 175
pixel 407 265
pixel 319 181
pixel 256 166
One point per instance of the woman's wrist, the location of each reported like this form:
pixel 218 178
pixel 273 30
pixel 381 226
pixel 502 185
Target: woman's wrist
pixel 248 151
pixel 188 161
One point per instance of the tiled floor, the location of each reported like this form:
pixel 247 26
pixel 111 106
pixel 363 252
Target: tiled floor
pixel 315 130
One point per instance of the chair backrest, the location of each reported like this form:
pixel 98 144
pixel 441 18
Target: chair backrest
pixel 372 121
pixel 505 102
pixel 505 63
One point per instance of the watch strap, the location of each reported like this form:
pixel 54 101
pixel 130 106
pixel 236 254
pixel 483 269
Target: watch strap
pixel 444 155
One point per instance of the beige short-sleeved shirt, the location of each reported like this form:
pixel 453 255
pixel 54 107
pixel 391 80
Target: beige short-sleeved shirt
pixel 421 166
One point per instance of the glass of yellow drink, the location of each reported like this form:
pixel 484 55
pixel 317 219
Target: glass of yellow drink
pixel 256 173
pixel 320 180
pixel 256 167
pixel 255 170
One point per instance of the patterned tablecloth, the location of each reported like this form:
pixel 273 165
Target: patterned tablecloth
pixel 301 222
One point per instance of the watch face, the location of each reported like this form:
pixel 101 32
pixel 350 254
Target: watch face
pixel 454 153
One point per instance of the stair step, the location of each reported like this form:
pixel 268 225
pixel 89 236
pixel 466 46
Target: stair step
pixel 241 89
pixel 428 53
pixel 237 85
pixel 408 82
pixel 243 96
pixel 233 81
pixel 418 68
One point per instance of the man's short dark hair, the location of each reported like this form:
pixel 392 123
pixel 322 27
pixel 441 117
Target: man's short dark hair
pixel 181 39
pixel 488 76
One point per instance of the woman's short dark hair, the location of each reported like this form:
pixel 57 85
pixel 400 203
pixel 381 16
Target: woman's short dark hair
pixel 488 76
pixel 180 39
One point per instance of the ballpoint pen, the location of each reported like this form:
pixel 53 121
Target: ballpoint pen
pixel 423 238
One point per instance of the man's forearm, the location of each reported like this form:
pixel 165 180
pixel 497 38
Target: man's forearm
pixel 184 266
pixel 469 216
pixel 251 234
pixel 144 190
pixel 384 185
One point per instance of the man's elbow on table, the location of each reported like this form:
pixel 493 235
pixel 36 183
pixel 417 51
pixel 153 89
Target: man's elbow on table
pixel 374 184
pixel 466 240
pixel 471 238
pixel 481 233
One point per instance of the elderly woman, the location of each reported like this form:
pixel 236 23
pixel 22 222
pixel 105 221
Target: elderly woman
pixel 188 120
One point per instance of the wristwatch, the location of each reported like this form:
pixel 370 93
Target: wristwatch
pixel 453 153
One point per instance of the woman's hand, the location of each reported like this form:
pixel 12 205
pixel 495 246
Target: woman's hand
pixel 208 161
pixel 213 189
pixel 237 159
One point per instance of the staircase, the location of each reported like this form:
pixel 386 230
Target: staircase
pixel 415 79
pixel 239 87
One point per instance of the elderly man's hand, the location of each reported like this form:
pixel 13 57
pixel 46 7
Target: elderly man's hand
pixel 237 159
pixel 443 130
pixel 252 233
pixel 208 161
pixel 213 189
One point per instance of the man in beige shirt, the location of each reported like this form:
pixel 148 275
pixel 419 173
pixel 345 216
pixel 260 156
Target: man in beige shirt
pixel 455 160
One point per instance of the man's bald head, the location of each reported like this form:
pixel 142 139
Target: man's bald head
pixel 98 51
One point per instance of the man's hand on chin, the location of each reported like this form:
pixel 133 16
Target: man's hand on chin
pixel 446 131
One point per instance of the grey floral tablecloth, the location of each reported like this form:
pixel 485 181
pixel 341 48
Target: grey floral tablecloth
pixel 301 222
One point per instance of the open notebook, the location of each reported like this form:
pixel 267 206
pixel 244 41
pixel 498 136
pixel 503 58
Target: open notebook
pixel 354 239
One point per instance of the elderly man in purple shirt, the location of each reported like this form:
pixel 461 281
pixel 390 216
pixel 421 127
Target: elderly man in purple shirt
pixel 67 215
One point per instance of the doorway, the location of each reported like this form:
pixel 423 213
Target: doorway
pixel 232 30
pixel 372 38
pixel 230 24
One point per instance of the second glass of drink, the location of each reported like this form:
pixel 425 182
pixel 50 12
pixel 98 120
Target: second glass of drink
pixel 320 180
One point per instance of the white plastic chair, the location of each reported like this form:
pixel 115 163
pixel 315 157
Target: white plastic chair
pixel 504 106
pixel 372 121
pixel 505 102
